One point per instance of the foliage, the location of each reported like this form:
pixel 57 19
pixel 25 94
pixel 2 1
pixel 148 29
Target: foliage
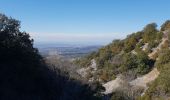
pixel 107 75
pixel 119 95
pixel 126 57
pixel 24 74
pixel 164 58
pixel 116 46
pixel 117 58
pixel 165 26
pixel 130 43
pixel 149 32
pixel 139 63
pixel 160 88
pixel 150 28
pixel 151 36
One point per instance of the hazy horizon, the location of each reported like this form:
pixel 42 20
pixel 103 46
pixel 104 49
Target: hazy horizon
pixel 75 39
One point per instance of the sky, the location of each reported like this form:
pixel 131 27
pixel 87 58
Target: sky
pixel 84 21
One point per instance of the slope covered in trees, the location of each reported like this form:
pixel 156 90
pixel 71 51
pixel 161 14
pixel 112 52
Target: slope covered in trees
pixel 127 55
pixel 132 57
pixel 24 75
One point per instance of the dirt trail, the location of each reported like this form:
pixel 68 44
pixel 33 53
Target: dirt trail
pixel 142 81
pixel 111 86
pixel 151 55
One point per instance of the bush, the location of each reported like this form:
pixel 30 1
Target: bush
pixel 130 43
pixel 149 32
pixel 163 58
pixel 120 95
pixel 139 63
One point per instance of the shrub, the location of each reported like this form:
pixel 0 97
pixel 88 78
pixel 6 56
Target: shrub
pixel 163 58
pixel 139 63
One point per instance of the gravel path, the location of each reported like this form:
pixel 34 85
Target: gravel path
pixel 142 81
pixel 111 86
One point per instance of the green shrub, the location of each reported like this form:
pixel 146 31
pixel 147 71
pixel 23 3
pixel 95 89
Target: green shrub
pixel 164 58
pixel 140 63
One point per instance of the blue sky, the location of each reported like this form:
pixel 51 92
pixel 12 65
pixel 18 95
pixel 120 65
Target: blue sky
pixel 84 21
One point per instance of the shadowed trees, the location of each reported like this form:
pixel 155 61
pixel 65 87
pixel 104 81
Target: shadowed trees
pixel 24 74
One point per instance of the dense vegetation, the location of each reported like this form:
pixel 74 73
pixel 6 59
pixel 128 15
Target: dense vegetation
pixel 124 56
pixel 130 58
pixel 160 88
pixel 25 76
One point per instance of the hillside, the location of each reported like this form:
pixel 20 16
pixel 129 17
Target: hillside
pixel 132 67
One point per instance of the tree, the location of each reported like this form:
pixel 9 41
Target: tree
pixel 139 63
pixel 116 46
pixel 150 28
pixel 150 32
pixel 130 43
pixel 144 64
pixel 165 26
